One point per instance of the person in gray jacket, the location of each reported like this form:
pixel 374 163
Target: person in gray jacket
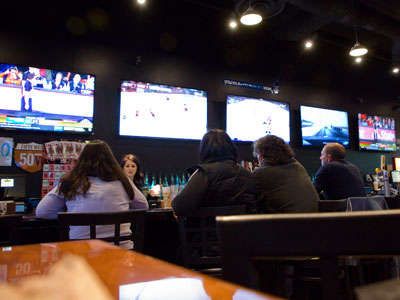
pixel 282 183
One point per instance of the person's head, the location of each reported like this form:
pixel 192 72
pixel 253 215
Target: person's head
pixel 14 72
pixel 59 77
pixel 96 160
pixel 131 165
pixel 77 79
pixel 272 150
pixel 332 152
pixel 216 143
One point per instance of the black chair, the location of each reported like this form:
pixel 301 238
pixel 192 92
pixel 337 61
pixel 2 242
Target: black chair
pixel 334 205
pixel 393 202
pixel 327 236
pixel 10 229
pixel 199 241
pixel 137 218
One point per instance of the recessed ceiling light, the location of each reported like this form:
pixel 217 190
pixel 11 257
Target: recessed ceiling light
pixel 395 70
pixel 141 1
pixel 358 60
pixel 308 44
pixel 232 24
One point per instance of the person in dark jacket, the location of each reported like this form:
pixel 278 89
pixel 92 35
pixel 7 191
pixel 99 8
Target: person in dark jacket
pixel 217 180
pixel 282 183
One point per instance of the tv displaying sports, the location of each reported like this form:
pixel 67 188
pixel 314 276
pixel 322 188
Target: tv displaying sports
pixel 39 99
pixel 162 111
pixel 321 126
pixel 248 119
pixel 376 133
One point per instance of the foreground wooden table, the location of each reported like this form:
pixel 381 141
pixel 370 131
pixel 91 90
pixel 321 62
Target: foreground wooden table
pixel 117 267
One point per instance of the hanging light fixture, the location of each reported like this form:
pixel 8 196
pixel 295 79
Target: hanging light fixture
pixel 357 49
pixel 250 16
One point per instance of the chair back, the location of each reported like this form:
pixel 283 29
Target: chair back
pixel 198 235
pixel 334 205
pixel 137 218
pixel 368 203
pixel 10 227
pixel 327 236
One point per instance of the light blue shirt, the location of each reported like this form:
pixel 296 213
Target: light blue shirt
pixel 102 196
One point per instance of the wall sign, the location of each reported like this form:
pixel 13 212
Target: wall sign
pixel 29 156
pixel 273 89
pixel 6 150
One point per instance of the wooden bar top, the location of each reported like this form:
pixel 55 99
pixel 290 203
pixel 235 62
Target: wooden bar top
pixel 117 267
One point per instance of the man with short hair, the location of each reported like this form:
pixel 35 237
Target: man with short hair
pixel 338 178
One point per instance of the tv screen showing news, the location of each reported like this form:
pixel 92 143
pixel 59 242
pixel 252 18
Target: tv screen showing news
pixel 248 119
pixel 376 133
pixel 38 99
pixel 321 126
pixel 162 111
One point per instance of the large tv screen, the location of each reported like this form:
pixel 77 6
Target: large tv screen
pixel 45 100
pixel 162 111
pixel 320 126
pixel 248 119
pixel 376 133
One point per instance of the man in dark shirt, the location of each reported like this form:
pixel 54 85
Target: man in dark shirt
pixel 338 178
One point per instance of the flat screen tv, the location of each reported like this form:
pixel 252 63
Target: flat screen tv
pixel 321 126
pixel 12 185
pixel 248 119
pixel 45 100
pixel 376 133
pixel 162 111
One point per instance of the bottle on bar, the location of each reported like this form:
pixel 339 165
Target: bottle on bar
pixel 146 185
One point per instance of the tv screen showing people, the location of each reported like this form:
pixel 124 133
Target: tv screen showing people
pixel 321 126
pixel 40 99
pixel 248 119
pixel 162 111
pixel 376 133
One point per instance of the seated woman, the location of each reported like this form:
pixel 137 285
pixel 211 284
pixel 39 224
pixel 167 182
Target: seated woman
pixel 96 184
pixel 282 183
pixel 131 165
pixel 217 180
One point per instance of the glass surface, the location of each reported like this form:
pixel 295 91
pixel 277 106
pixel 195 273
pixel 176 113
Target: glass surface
pixel 38 99
pixel 248 119
pixel 320 126
pixel 162 111
pixel 376 133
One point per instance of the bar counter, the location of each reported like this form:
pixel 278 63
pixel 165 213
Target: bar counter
pixel 117 267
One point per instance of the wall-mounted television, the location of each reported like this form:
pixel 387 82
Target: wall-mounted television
pixel 376 133
pixel 38 99
pixel 321 126
pixel 248 119
pixel 12 185
pixel 162 111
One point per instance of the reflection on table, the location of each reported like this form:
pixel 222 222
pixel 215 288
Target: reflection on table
pixel 127 274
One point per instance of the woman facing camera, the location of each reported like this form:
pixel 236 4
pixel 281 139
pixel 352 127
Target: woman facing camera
pixel 131 166
pixel 282 183
pixel 95 184
pixel 217 180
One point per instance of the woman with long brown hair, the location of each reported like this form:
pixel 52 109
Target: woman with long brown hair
pixel 96 184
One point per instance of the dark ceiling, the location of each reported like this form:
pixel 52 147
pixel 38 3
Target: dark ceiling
pixel 199 28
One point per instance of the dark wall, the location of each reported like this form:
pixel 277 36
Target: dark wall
pixel 352 91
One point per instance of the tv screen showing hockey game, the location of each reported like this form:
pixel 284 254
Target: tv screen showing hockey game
pixel 162 111
pixel 248 119
pixel 45 100
pixel 320 126
pixel 376 133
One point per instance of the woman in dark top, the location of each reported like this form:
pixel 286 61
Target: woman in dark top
pixel 131 165
pixel 217 180
pixel 282 183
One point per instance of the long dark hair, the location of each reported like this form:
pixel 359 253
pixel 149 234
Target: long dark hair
pixel 217 144
pixel 96 160
pixel 138 178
